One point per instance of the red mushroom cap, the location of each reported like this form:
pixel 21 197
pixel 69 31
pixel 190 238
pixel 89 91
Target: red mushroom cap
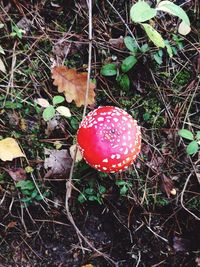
pixel 109 139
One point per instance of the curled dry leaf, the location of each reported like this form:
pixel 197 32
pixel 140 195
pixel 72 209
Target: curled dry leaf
pixel 9 149
pixel 72 150
pixel 183 28
pixel 73 85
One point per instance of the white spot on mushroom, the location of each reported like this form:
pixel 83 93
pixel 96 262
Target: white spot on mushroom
pixel 114 166
pixel 100 119
pixel 115 119
pixel 118 156
pixel 112 156
pixel 129 125
pixel 119 164
pixel 126 151
pixel 105 160
pixel 104 168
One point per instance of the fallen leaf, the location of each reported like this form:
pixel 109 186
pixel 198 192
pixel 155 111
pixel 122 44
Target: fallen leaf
pixel 9 149
pixel 117 42
pixel 17 174
pixel 72 150
pixel 87 265
pixel 42 102
pixel 73 85
pixel 11 224
pixel 2 66
pixel 168 186
pixel 25 24
pixel 57 162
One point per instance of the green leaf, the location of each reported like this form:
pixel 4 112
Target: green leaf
pixel 128 63
pixel 198 135
pixel 58 99
pixel 123 190
pixel 64 111
pixel 192 148
pixel 144 48
pixel 173 9
pixel 25 184
pixel 120 182
pixel 158 58
pixel 169 48
pixel 82 198
pixel 186 134
pixel 74 123
pixel 89 191
pixel 153 35
pixel 48 113
pixel 124 82
pixel 141 12
pixel 102 189
pixel 109 70
pixel 13 105
pixel 130 44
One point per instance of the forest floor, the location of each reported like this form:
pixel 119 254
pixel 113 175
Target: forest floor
pixel 148 215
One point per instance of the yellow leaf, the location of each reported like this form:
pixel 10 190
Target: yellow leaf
pixel 73 85
pixel 88 265
pixel 9 149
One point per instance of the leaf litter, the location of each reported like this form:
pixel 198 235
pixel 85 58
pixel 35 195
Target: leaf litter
pixel 57 163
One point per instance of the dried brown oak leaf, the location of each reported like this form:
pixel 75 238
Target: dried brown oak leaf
pixel 73 85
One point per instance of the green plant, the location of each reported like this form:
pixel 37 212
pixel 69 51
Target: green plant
pixel 125 66
pixel 49 111
pixel 30 192
pixel 17 32
pixel 124 186
pixel 92 193
pixel 142 12
pixel 193 147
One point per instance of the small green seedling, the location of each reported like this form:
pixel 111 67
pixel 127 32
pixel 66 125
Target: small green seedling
pixel 17 32
pixel 123 187
pixel 50 111
pixel 193 146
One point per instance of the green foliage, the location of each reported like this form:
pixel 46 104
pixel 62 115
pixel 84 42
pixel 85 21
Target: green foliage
pixel 153 35
pixel 128 63
pixel 48 113
pixel 30 192
pixel 92 192
pixel 141 12
pixel 193 147
pixel 50 110
pixel 130 44
pixel 124 187
pixel 109 70
pixel 17 32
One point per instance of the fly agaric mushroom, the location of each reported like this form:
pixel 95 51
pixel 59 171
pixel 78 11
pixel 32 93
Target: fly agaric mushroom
pixel 109 139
